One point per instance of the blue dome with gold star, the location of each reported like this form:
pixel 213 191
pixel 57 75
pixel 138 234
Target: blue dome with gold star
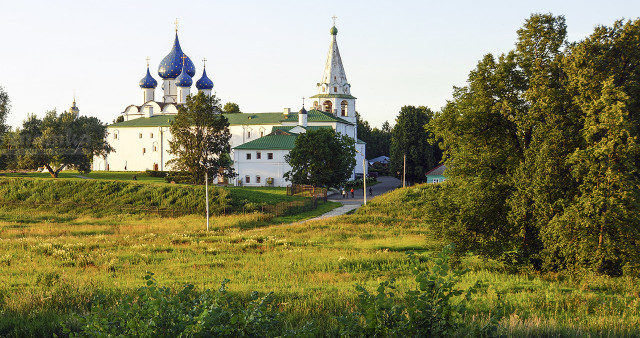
pixel 204 82
pixel 148 81
pixel 171 65
pixel 184 79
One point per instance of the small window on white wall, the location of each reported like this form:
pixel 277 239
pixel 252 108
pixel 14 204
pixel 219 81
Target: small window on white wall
pixel 248 133
pixel 247 179
pixel 140 135
pixel 257 179
pixel 258 155
pixel 248 156
pixel 144 150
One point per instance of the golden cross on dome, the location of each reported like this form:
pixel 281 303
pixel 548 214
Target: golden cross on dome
pixel 176 24
pixel 183 57
pixel 303 102
pixel 204 62
pixel 334 19
pixel 148 61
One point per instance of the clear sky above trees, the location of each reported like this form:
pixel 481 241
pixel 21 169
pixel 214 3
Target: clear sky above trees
pixel 264 55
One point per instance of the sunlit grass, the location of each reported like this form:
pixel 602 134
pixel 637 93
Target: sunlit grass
pixel 52 264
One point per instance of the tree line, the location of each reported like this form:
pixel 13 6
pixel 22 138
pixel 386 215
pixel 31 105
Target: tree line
pixel 542 155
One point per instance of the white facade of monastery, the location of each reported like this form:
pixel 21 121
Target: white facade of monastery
pixel 259 141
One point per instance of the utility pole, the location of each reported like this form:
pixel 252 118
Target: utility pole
pixel 404 170
pixel 364 180
pixel 206 193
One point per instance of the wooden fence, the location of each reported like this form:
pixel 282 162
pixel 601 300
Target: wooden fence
pixel 307 191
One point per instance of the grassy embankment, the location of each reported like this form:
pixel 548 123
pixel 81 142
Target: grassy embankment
pixel 53 265
pixel 112 194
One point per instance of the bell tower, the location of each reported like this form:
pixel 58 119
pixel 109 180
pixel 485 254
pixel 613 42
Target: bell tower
pixel 333 90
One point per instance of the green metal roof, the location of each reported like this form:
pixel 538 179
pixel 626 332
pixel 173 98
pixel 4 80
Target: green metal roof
pixel 308 128
pixel 259 118
pixel 153 121
pixel 270 142
pixel 315 115
pixel 234 119
pixel 328 96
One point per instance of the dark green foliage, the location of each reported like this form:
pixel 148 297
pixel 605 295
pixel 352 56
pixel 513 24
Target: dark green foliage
pixel 155 311
pixel 541 151
pixel 435 308
pixel 58 142
pixel 322 158
pixel 231 108
pixel 5 108
pixel 200 139
pixel 410 138
pixel 378 141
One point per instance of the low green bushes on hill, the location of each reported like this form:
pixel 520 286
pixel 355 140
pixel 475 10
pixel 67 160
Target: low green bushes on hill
pixel 104 196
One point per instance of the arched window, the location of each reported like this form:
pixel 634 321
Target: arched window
pixel 343 107
pixel 327 106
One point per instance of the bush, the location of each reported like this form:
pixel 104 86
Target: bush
pixel 154 311
pixel 156 173
pixel 436 307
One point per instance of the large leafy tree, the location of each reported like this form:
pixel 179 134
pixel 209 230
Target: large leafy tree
pixel 200 138
pixel 5 107
pixel 542 150
pixel 322 158
pixel 601 228
pixel 231 108
pixel 5 133
pixel 60 141
pixel 410 138
pixel 378 141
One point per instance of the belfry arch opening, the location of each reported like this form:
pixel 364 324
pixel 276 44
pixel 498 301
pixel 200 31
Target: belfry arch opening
pixel 344 108
pixel 327 106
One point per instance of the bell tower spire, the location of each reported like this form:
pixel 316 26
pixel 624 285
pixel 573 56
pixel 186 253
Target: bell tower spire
pixel 333 90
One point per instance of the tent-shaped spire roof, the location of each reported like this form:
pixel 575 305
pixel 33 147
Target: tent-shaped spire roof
pixel 333 73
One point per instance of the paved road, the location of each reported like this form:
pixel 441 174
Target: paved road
pixel 386 183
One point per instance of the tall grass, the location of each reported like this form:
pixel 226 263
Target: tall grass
pixel 54 265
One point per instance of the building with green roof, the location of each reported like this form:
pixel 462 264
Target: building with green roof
pixel 259 141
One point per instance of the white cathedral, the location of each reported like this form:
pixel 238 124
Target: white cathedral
pixel 259 141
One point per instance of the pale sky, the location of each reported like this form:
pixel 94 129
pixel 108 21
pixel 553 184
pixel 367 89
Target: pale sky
pixel 264 55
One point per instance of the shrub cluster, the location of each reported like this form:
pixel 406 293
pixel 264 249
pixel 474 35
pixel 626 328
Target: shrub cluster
pixel 435 308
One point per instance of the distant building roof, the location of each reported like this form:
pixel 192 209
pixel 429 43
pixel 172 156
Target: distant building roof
pixel 438 170
pixel 307 128
pixel 236 119
pixel 315 115
pixel 271 142
pixel 379 159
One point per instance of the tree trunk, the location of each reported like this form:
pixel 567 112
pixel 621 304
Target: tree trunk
pixel 54 173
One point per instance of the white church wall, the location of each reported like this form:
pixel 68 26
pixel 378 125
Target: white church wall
pixel 136 149
pixel 262 167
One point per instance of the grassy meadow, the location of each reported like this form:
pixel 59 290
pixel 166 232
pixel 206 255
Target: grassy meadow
pixel 54 265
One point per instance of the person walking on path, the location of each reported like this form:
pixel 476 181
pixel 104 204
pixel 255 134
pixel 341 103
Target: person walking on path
pixel 370 191
pixel 352 193
pixel 344 193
